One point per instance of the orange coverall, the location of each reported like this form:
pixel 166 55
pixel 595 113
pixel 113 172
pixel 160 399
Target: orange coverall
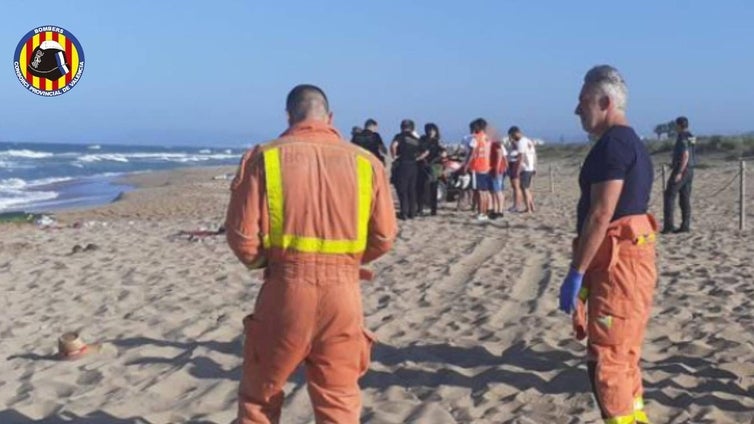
pixel 310 208
pixel 618 289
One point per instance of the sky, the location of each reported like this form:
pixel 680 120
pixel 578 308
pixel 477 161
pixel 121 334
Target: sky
pixel 217 72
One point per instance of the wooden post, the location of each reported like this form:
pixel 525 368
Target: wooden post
pixel 742 197
pixel 664 181
pixel 552 181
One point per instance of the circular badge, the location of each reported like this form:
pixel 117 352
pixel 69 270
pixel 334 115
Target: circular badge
pixel 49 61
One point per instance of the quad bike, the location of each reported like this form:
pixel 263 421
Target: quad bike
pixel 454 184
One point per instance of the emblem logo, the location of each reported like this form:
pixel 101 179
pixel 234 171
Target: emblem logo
pixel 49 61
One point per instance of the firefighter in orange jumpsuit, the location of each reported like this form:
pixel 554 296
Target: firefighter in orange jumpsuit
pixel 612 278
pixel 310 209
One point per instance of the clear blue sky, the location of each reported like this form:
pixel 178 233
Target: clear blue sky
pixel 217 72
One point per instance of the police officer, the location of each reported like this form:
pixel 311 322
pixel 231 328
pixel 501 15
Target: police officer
pixel 681 177
pixel 407 152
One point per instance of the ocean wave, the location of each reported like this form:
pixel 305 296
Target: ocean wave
pixel 205 151
pixel 103 157
pixel 24 153
pixel 18 183
pixel 166 157
pixel 13 197
pixel 94 147
pixel 12 184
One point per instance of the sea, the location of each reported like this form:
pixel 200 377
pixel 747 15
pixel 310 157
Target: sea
pixel 36 177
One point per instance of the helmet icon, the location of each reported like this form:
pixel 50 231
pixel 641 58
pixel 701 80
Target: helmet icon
pixel 48 61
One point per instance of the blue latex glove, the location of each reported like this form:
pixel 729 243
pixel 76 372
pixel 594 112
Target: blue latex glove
pixel 569 290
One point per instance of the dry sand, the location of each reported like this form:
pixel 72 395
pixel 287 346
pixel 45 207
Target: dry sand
pixel 466 315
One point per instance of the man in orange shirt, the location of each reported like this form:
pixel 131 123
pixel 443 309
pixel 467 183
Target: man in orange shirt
pixel 310 209
pixel 478 163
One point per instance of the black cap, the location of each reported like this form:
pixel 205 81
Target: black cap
pixel 514 129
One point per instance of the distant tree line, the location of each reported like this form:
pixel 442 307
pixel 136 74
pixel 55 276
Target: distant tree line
pixel 667 129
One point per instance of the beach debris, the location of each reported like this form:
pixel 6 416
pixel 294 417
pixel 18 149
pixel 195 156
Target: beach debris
pixel 71 346
pixel 45 221
pixel 87 248
pixel 228 176
pixel 196 235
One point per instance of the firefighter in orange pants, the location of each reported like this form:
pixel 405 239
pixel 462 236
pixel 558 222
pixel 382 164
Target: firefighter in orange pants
pixel 310 209
pixel 611 282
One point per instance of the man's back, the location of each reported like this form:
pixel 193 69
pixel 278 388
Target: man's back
pixel 326 189
pixel 323 196
pixel 310 208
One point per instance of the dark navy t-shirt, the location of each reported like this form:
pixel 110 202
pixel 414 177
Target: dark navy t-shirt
pixel 618 155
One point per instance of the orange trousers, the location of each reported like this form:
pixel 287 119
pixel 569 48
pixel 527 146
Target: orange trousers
pixel 310 314
pixel 618 290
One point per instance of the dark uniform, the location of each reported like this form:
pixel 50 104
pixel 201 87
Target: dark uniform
pixel 371 141
pixel 407 168
pixel 683 144
pixel 427 184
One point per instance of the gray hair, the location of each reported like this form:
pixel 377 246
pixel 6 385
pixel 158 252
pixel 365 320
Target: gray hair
pixel 609 82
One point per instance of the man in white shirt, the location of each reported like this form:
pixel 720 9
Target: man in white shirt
pixel 528 164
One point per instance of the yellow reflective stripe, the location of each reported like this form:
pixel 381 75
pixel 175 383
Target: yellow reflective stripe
pixel 626 419
pixel 641 417
pixel 644 239
pixel 583 294
pixel 274 185
pixel 638 403
pixel 277 238
pixel 316 245
pixel 364 172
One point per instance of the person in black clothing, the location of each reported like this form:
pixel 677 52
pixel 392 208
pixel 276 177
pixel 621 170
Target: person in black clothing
pixel 427 180
pixel 369 139
pixel 681 177
pixel 407 153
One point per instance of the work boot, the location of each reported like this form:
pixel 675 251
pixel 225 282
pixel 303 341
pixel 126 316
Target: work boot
pixel 669 230
pixel 682 230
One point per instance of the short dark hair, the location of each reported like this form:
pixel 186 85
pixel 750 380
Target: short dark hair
pixel 303 99
pixel 514 129
pixel 478 125
pixel 369 122
pixel 682 122
pixel 407 125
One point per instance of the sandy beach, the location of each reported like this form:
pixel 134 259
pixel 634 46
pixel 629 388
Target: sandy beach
pixel 466 314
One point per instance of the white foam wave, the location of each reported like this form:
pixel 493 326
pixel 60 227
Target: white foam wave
pixel 94 147
pixel 24 153
pixel 166 157
pixel 12 184
pixel 205 151
pixel 47 181
pixel 103 157
pixel 13 197
pixel 18 183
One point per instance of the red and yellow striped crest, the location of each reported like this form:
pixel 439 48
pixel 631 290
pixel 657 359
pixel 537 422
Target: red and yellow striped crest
pixel 49 61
